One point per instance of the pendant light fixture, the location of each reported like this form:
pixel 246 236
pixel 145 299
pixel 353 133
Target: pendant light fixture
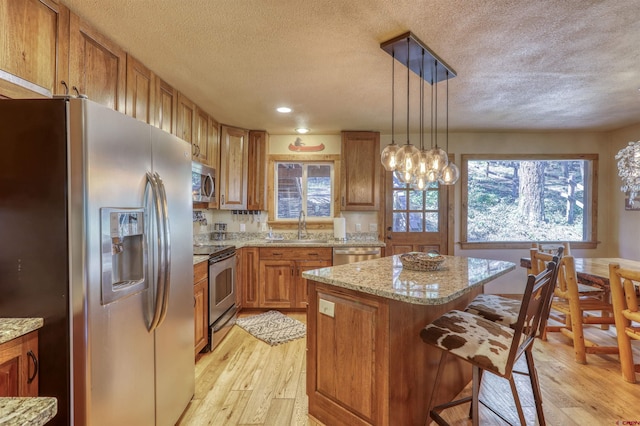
pixel 388 156
pixel 413 166
pixel 407 157
pixel 450 173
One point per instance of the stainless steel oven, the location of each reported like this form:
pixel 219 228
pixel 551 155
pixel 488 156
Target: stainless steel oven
pixel 222 293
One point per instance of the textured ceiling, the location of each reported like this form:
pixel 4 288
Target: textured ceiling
pixel 521 65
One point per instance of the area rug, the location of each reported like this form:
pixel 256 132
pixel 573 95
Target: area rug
pixel 273 327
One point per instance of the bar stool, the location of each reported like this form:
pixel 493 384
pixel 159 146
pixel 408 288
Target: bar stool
pixel 505 310
pixel 625 312
pixel 493 347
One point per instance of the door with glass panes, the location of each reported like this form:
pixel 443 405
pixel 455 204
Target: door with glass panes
pixel 416 220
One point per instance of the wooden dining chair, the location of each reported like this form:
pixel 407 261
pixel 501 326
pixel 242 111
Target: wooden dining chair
pixel 493 347
pixel 574 310
pixel 624 298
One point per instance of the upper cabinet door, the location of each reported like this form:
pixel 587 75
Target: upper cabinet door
pixel 186 117
pixel 166 106
pixel 141 94
pixel 97 66
pixel 256 182
pixel 360 174
pixel 201 151
pixel 233 168
pixel 34 48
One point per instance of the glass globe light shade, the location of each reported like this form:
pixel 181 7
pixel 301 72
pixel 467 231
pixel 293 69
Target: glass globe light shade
pixel 423 166
pixel 407 158
pixel 437 159
pixel 432 175
pixel 450 174
pixel 420 183
pixel 388 157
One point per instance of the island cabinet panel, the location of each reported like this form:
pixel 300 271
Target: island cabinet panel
pixel 97 66
pixel 360 174
pixel 141 93
pixel 34 58
pixel 366 363
pixel 19 366
pixel 347 356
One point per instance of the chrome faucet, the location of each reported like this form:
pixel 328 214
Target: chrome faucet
pixel 302 224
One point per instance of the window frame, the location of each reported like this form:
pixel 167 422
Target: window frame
pixel 590 208
pixel 312 223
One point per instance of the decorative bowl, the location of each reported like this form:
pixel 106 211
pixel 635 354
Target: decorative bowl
pixel 419 261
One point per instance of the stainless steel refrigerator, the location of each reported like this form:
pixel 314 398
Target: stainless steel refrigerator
pixel 96 238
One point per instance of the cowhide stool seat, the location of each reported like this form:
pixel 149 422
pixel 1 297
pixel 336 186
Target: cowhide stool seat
pixel 491 346
pixel 504 310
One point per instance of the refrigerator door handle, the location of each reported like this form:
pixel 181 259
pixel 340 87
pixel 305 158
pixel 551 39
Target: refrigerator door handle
pixel 159 286
pixel 167 248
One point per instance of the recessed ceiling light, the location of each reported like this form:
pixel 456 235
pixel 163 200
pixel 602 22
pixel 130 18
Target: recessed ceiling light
pixel 302 130
pixel 283 110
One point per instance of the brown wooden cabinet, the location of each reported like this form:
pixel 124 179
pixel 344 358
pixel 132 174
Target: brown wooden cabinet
pixel 186 113
pixel 256 180
pixel 360 174
pixel 280 281
pixel 166 112
pixel 141 93
pixel 201 150
pixel 277 283
pixel 201 304
pixel 19 366
pixel 248 281
pixel 34 51
pixel 97 66
pixel 233 168
pixel 366 363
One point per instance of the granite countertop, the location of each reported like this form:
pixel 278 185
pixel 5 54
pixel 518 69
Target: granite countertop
pixel 29 410
pixel 12 328
pixel 385 277
pixel 32 411
pixel 197 258
pixel 312 243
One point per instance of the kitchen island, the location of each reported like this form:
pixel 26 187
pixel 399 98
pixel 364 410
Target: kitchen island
pixel 366 363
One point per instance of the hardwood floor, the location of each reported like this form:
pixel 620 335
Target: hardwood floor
pixel 247 382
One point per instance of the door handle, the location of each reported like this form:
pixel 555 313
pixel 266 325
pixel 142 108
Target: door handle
pixel 388 237
pixel 33 358
pixel 152 183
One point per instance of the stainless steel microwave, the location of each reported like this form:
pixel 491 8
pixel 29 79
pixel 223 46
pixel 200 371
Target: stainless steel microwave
pixel 203 183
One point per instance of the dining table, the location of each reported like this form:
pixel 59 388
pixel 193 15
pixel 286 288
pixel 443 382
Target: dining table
pixel 593 270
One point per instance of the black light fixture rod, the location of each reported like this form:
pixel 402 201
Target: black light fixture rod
pixel 393 96
pixel 408 49
pixel 436 103
pixel 447 122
